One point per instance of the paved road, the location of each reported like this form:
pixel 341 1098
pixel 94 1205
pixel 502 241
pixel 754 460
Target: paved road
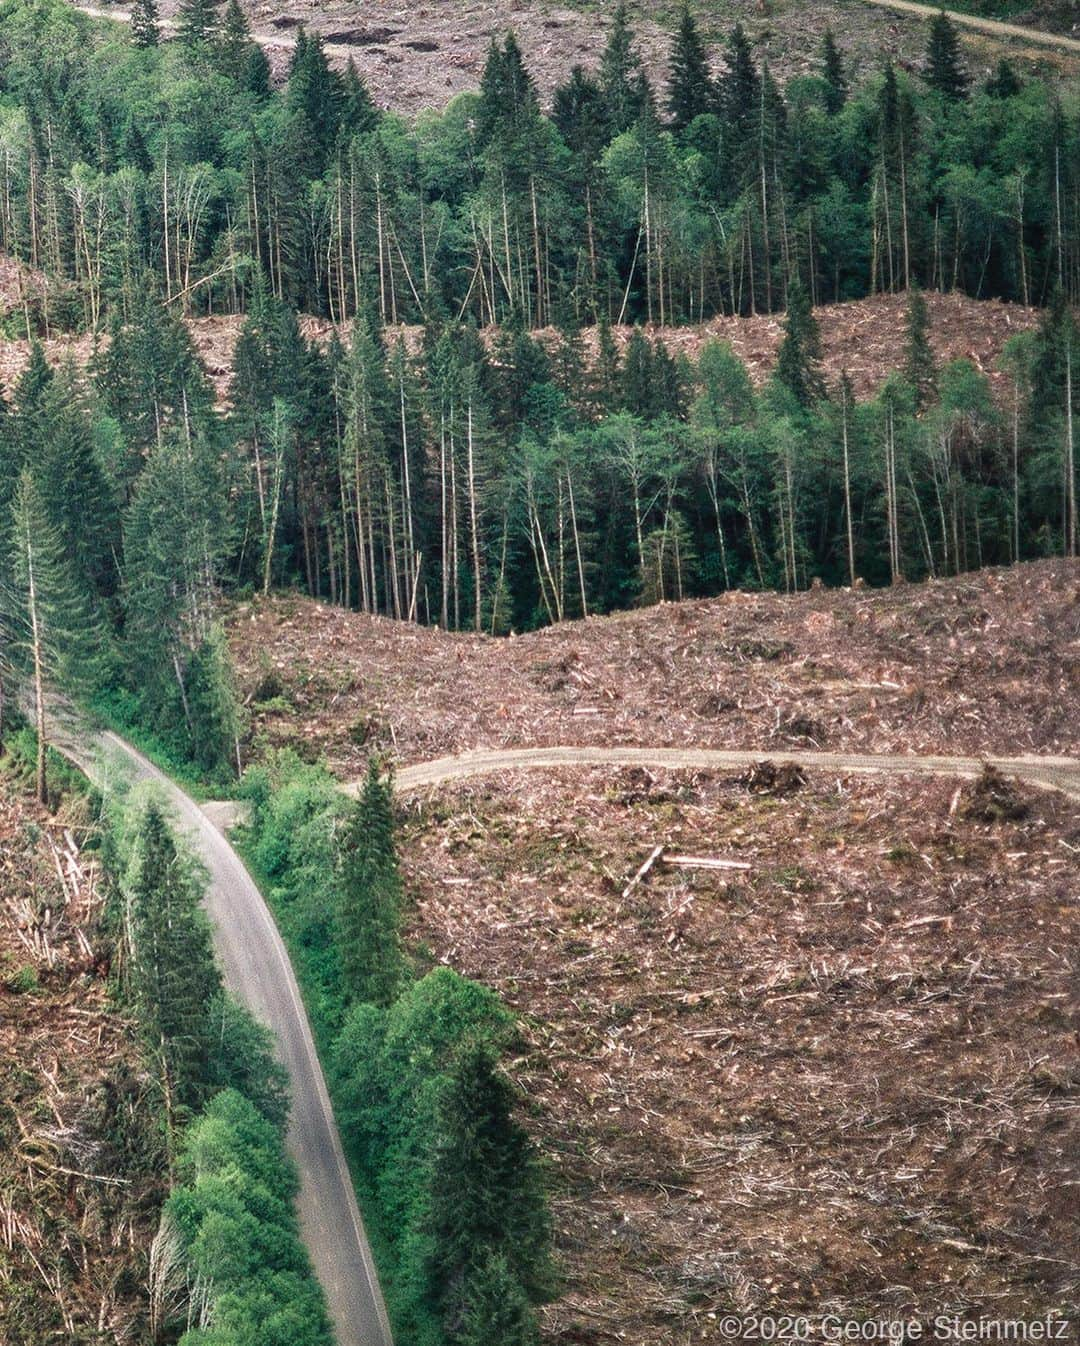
pixel 1057 773
pixel 257 971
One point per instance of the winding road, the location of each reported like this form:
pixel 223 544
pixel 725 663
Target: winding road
pixel 257 971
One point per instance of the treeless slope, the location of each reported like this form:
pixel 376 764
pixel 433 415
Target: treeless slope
pixel 986 663
pixel 842 1082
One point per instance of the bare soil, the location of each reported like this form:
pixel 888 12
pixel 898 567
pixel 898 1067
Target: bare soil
pixel 845 1082
pixel 77 1208
pixel 985 663
pixel 859 338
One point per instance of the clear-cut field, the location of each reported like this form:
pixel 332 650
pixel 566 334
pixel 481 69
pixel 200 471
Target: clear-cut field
pixel 842 1082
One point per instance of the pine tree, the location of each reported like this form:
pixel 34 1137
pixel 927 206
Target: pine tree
pixel 920 369
pixel 173 977
pixel 197 24
pixel 833 73
pixel 620 68
pixel 369 915
pixel 798 365
pixel 944 68
pixel 691 91
pixel 144 23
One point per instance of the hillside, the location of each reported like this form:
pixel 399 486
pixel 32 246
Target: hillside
pixel 420 57
pixel 987 662
pixel 858 337
pixel 843 1081
pixel 79 1161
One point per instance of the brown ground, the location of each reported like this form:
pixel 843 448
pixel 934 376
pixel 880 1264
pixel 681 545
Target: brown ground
pixel 77 1210
pixel 859 337
pixel 846 1082
pixel 986 663
pixel 420 57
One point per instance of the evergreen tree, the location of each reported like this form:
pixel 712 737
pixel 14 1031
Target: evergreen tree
pixel 1005 82
pixel 172 973
pixel 144 23
pixel 579 111
pixel 944 68
pixel 50 633
pixel 197 24
pixel 798 365
pixel 620 71
pixel 485 1196
pixel 920 368
pixel 691 91
pixel 313 97
pixel 358 111
pixel 833 73
pixel 234 43
pixel 638 388
pixel 369 914
pixel 256 79
pixel 740 87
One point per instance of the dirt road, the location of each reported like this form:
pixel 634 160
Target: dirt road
pixel 992 27
pixel 1056 773
pixel 257 971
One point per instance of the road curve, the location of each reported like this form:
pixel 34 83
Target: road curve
pixel 1050 773
pixel 257 971
pixel 992 27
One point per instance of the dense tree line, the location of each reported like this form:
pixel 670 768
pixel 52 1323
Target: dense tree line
pixel 124 155
pixel 487 486
pixel 451 1187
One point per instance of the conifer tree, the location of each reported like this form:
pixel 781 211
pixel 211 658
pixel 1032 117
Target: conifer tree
pixel 485 1198
pixel 740 87
pixel 944 68
pixel 172 972
pixel 358 111
pixel 1005 82
pixel 920 368
pixel 833 73
pixel 620 71
pixel 691 91
pixel 234 42
pixel 49 631
pixel 638 390
pixel 197 24
pixel 144 23
pixel 798 365
pixel 369 915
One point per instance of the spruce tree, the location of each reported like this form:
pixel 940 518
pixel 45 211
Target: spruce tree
pixel 51 635
pixel 740 86
pixel 144 23
pixel 620 68
pixel 358 111
pixel 691 91
pixel 833 73
pixel 944 68
pixel 369 913
pixel 173 977
pixel 920 369
pixel 638 390
pixel 798 366
pixel 197 25
pixel 234 43
pixel 1005 82
pixel 485 1197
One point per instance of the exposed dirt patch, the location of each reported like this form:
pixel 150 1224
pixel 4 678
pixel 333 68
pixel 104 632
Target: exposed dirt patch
pixel 859 338
pixel 987 663
pixel 78 1202
pixel 845 1081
